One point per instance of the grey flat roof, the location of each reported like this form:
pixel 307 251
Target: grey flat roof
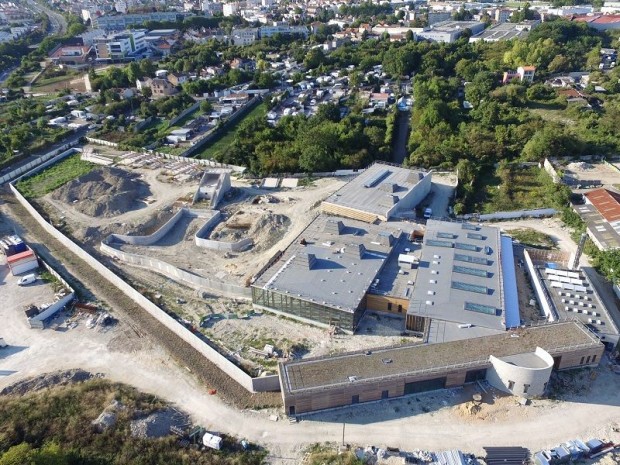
pixel 452 26
pixel 338 277
pixel 378 198
pixel 395 280
pixel 503 31
pixel 334 371
pixel 439 291
pixel 446 331
pixel 585 302
pixel 598 226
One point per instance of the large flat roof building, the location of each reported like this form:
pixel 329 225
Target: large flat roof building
pixel 515 361
pixel 323 277
pixel 505 31
pixel 465 276
pixel 379 193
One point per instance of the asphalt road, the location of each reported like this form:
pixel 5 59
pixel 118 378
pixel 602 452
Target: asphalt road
pixel 57 21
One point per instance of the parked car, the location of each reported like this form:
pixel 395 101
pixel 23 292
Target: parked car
pixel 27 279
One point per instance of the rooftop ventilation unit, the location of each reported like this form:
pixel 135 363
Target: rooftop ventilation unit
pixel 376 179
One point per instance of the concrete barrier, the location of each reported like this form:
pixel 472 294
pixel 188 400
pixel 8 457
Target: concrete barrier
pixel 226 365
pixel 150 239
pixel 171 271
pixel 539 213
pixel 42 161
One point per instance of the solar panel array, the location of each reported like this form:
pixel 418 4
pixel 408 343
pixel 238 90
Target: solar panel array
pixel 477 236
pixel 469 226
pixel 445 235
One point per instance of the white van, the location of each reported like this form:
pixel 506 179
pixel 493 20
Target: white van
pixel 27 279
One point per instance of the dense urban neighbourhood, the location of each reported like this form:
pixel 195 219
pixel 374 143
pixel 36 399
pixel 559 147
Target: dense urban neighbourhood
pixel 200 167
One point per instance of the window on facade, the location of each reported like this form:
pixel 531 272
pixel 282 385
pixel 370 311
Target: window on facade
pixel 511 385
pixel 588 360
pixel 582 359
pixel 389 305
pixel 385 394
pixel 525 388
pixel 593 358
pixel 355 399
pixel 400 309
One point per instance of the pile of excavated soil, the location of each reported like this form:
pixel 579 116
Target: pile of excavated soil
pixel 268 229
pixel 105 192
pixel 58 378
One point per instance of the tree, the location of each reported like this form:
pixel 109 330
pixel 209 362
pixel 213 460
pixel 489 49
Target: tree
pixel 17 455
pixel 205 106
pixel 314 58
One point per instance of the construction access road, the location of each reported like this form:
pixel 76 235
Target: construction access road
pixel 138 354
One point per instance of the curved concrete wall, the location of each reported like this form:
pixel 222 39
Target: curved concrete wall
pixel 523 375
pixel 150 239
pixel 238 246
pixel 165 229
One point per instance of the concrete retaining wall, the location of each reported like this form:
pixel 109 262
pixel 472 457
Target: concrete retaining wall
pixel 171 271
pixel 200 241
pixel 56 306
pixel 43 161
pixel 150 239
pixel 107 143
pixel 181 331
pixel 183 114
pixel 216 132
pixel 539 213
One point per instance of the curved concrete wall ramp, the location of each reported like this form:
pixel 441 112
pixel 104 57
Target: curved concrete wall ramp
pixel 523 375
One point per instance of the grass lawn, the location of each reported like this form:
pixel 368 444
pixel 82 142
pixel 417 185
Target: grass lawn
pixel 532 238
pixel 528 188
pixel 553 112
pixel 54 176
pixel 228 136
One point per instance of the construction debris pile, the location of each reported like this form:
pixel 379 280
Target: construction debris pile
pixel 159 423
pixel 105 192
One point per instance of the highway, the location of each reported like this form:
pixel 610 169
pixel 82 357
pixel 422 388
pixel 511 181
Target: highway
pixel 57 21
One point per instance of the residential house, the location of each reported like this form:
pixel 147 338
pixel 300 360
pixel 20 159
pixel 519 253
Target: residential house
pixel 176 79
pixel 523 73
pixel 162 88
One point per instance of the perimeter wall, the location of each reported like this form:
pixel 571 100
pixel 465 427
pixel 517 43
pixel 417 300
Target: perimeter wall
pixel 267 383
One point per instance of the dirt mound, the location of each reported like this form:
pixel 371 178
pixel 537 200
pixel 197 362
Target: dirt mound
pixel 268 229
pixel 59 378
pixel 104 192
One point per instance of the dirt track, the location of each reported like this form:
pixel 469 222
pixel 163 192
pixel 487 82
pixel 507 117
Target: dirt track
pixel 91 283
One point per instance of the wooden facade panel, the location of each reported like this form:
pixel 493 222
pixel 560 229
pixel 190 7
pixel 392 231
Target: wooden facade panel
pixel 347 212
pixel 578 358
pixel 456 378
pixel 387 304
